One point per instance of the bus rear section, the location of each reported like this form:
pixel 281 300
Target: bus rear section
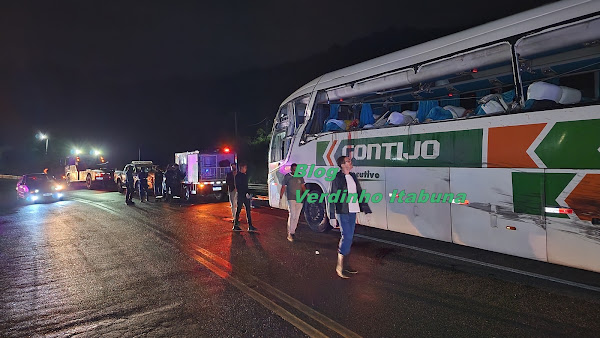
pixel 205 173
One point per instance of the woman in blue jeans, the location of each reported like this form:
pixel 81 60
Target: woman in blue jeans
pixel 345 211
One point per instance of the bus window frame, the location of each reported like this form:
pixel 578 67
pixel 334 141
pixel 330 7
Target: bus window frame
pixel 411 78
pixel 524 59
pixel 290 136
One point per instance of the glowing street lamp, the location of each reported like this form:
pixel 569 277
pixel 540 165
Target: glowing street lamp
pixel 97 152
pixel 42 137
pixel 76 151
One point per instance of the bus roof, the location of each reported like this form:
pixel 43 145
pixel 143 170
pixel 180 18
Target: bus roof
pixel 496 30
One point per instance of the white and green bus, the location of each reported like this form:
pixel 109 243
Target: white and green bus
pixel 507 113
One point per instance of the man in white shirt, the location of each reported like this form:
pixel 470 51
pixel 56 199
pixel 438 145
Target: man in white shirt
pixel 291 185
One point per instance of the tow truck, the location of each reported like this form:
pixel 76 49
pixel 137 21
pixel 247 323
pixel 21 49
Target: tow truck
pixel 205 172
pixel 92 170
pixel 137 166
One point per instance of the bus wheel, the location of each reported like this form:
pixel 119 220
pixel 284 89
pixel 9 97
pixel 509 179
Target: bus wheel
pixel 187 195
pixel 316 215
pixel 222 197
pixel 88 182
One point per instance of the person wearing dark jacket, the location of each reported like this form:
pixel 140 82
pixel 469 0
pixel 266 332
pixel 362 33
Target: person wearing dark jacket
pixel 143 181
pixel 344 212
pixel 129 185
pixel 241 184
pixel 158 183
pixel 179 177
pixel 232 191
pixel 170 177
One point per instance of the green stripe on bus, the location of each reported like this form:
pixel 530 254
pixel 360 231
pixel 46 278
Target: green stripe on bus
pixel 572 144
pixel 528 192
pixel 444 149
pixel 532 192
pixel 321 149
pixel 555 184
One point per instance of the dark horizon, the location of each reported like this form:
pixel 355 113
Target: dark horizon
pixel 121 77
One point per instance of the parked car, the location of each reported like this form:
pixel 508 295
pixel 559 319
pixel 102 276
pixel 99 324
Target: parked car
pixel 92 170
pixel 38 188
pixel 137 166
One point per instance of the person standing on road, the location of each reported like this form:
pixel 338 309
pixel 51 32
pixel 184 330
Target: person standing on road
pixel 143 180
pixel 241 184
pixel 158 184
pixel 129 185
pixel 179 177
pixel 169 178
pixel 232 191
pixel 292 185
pixel 346 211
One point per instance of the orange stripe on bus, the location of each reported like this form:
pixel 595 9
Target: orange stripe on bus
pixel 507 146
pixel 585 198
pixel 330 151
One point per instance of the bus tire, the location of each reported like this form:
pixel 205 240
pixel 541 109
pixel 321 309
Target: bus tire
pixel 316 215
pixel 187 194
pixel 222 197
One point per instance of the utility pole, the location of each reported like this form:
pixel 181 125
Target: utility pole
pixel 139 153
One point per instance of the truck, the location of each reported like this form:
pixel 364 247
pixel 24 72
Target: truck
pixel 91 170
pixel 137 166
pixel 205 173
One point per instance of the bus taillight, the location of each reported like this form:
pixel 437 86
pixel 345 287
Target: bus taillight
pixel 559 210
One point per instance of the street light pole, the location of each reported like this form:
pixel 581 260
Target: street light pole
pixel 41 136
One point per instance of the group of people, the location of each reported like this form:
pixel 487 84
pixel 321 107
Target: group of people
pixel 171 177
pixel 342 213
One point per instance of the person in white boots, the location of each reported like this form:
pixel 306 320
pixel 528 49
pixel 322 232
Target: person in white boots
pixel 345 212
pixel 291 186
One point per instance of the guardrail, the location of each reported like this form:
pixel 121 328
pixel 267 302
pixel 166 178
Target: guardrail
pixel 9 177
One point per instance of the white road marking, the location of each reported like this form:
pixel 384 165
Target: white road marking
pixel 489 265
pixel 96 205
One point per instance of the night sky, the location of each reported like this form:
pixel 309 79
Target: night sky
pixel 167 76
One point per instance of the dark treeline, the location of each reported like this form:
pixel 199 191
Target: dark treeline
pixel 159 118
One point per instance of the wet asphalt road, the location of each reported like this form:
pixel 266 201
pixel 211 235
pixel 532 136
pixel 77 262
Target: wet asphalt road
pixel 92 265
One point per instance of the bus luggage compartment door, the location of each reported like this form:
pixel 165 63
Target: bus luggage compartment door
pixel 504 213
pixel 420 217
pixel 572 202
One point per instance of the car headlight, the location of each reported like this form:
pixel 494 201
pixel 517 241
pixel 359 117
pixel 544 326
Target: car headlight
pixel 36 191
pixel 58 187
